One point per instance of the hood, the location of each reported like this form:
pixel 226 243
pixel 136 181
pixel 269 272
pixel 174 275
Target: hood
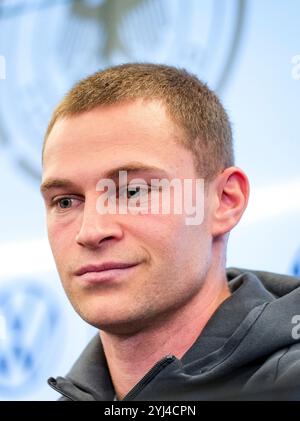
pixel 243 335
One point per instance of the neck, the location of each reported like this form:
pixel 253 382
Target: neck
pixel 129 358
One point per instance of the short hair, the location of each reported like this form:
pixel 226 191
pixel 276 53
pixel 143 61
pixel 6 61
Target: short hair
pixel 189 103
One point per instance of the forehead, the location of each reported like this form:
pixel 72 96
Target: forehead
pixel 112 135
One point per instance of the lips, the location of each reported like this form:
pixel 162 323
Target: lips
pixel 92 268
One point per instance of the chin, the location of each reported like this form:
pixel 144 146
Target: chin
pixel 117 323
pixel 115 326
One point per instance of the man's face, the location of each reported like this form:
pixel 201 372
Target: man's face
pixel 171 258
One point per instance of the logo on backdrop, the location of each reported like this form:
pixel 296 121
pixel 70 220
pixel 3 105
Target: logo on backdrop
pixel 82 36
pixel 296 264
pixel 30 335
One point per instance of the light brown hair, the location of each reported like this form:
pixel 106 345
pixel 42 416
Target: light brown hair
pixel 190 104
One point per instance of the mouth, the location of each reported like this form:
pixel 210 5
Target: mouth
pixel 105 272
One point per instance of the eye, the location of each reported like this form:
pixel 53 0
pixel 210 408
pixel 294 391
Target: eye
pixel 130 191
pixel 64 203
pixel 133 191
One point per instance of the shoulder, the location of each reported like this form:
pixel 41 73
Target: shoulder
pixel 281 369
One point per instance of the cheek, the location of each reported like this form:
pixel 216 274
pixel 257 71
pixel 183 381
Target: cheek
pixel 61 239
pixel 168 239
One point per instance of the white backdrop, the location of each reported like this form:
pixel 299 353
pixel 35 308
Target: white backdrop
pixel 260 89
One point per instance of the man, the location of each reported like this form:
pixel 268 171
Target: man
pixel 173 324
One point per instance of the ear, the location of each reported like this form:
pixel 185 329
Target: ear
pixel 230 191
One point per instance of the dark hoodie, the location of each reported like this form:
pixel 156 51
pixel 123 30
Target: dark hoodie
pixel 247 350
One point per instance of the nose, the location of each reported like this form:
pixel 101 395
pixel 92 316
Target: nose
pixel 96 228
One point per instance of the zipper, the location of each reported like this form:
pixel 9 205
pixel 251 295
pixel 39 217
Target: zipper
pixel 52 383
pixel 149 376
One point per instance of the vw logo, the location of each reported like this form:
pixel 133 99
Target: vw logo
pixel 296 265
pixel 32 325
pixel 50 44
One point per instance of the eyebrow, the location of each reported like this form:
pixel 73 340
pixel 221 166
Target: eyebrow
pixel 131 168
pixel 56 183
